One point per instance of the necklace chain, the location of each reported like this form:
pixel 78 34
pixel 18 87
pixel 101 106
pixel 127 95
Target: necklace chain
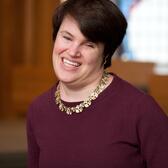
pixel 86 103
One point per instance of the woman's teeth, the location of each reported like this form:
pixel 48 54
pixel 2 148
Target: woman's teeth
pixel 68 62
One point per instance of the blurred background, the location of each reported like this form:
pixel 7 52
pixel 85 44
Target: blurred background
pixel 26 65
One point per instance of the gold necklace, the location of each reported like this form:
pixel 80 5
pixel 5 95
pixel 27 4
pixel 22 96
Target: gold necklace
pixel 86 103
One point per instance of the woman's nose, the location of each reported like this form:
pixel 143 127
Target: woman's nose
pixel 74 50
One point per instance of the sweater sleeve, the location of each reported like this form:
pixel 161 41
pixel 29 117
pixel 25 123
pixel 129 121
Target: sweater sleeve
pixel 33 148
pixel 153 135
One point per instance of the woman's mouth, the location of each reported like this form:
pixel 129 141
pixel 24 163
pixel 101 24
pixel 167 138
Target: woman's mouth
pixel 70 63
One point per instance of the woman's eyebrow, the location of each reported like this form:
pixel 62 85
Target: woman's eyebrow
pixel 66 32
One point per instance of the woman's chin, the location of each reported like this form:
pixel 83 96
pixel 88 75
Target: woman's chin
pixel 67 77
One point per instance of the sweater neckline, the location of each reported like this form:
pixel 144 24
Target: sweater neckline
pixel 111 89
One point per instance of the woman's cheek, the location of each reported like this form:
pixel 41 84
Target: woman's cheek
pixel 59 49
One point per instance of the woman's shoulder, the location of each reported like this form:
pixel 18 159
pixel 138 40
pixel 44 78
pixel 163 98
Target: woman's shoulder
pixel 129 95
pixel 139 107
pixel 125 89
pixel 44 98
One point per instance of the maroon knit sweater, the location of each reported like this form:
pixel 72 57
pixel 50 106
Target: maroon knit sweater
pixel 123 128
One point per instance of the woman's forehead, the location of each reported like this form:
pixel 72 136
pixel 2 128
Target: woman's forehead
pixel 70 26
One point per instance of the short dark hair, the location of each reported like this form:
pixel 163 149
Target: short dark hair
pixel 98 20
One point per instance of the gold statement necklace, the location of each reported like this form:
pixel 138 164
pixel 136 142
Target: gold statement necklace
pixel 86 103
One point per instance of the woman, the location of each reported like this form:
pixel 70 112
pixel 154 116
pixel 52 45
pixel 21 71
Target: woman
pixel 89 118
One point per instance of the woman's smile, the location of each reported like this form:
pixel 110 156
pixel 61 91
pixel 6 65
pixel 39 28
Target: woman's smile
pixel 70 63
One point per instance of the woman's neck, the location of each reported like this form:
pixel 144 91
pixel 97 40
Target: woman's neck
pixel 79 93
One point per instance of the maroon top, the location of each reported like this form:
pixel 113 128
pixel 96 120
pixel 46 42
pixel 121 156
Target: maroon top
pixel 123 128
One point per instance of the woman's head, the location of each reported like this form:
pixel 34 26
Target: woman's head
pixel 98 20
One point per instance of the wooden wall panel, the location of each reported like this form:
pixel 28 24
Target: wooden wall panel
pixel 6 34
pixel 42 32
pixel 158 85
pixel 137 73
pixel 25 41
pixel 28 33
pixel 27 84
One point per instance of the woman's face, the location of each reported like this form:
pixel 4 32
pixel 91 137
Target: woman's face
pixel 76 60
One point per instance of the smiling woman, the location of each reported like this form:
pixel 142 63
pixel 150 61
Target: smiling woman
pixel 77 61
pixel 91 118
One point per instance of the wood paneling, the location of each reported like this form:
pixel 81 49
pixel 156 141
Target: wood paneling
pixel 27 83
pixel 137 73
pixel 42 31
pixel 6 35
pixel 158 88
pixel 25 41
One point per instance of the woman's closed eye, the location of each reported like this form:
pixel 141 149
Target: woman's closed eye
pixel 91 45
pixel 67 38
